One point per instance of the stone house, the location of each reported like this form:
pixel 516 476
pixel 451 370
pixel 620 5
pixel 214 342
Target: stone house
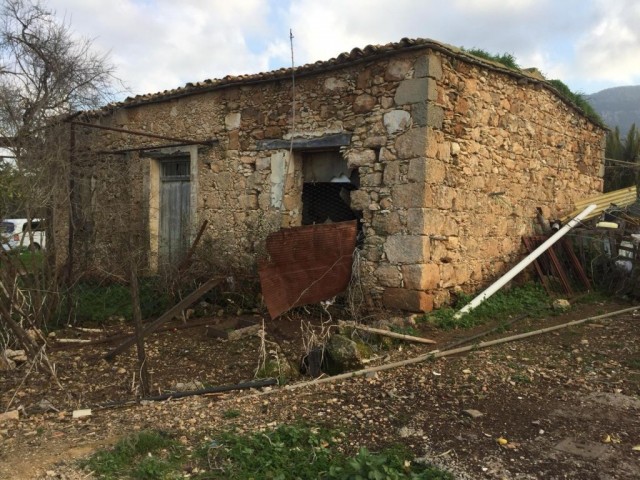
pixel 443 158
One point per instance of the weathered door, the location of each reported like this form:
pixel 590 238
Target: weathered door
pixel 175 209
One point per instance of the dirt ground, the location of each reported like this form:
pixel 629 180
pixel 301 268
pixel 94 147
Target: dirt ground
pixel 567 403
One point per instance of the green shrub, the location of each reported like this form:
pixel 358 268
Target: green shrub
pixel 506 59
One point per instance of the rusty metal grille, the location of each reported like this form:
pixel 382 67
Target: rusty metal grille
pixel 306 265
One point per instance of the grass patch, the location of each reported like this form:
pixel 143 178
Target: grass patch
pixel 144 456
pixel 303 452
pixel 286 452
pixel 633 363
pixel 530 299
pixel 94 303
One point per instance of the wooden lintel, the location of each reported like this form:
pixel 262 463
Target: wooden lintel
pixel 326 141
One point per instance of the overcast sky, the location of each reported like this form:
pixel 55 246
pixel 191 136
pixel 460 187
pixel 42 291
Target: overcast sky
pixel 162 44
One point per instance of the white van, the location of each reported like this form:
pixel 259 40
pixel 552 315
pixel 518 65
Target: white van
pixel 14 233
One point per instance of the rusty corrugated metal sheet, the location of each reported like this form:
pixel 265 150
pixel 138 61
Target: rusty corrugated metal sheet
pixel 307 265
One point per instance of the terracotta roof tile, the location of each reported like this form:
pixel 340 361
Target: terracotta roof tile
pixel 344 59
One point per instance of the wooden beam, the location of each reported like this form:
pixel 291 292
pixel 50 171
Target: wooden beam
pixel 165 317
pixel 326 141
pixel 386 333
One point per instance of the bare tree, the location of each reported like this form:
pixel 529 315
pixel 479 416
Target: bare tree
pixel 46 73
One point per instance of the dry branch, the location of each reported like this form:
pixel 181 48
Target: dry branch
pixel 165 317
pixel 437 353
pixel 386 333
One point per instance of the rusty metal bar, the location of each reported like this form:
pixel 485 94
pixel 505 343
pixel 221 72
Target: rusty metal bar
pixel 122 151
pixel 139 133
pixel 528 243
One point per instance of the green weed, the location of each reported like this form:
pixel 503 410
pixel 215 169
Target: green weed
pixel 530 299
pixel 286 452
pixel 520 378
pixel 231 413
pixel 390 465
pixel 143 456
pixel 633 363
pixel 506 59
pixel 299 451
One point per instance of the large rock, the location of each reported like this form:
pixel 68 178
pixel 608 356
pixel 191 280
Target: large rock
pixel 343 354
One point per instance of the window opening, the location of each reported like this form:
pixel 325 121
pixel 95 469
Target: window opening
pixel 327 187
pixel 176 169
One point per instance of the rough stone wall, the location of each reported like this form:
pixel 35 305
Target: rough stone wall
pixel 453 160
pixel 505 147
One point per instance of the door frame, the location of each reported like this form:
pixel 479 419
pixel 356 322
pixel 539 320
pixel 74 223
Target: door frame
pixel 152 181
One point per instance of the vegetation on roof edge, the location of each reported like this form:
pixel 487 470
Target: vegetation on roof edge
pixel 509 61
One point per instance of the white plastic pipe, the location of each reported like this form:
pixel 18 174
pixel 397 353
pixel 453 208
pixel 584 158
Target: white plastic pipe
pixel 501 282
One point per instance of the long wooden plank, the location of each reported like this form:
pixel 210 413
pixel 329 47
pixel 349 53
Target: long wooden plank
pixel 387 333
pixel 165 317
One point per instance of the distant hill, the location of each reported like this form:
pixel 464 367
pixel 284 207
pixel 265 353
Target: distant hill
pixel 618 106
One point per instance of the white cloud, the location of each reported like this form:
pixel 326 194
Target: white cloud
pixel 161 44
pixel 610 48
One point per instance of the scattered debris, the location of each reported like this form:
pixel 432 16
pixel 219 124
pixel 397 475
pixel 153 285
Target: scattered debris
pixel 265 382
pixel 470 412
pixel 72 340
pixel 81 413
pixel 561 304
pixel 45 405
pixel 10 415
pixel 165 317
pixel 502 281
pixel 233 329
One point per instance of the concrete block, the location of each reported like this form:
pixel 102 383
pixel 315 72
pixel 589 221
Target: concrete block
pixel 408 195
pixel 232 120
pixel 364 103
pixel 360 158
pixel 359 199
pixel 388 276
pixel 397 70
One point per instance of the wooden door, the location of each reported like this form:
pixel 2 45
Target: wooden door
pixel 175 209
